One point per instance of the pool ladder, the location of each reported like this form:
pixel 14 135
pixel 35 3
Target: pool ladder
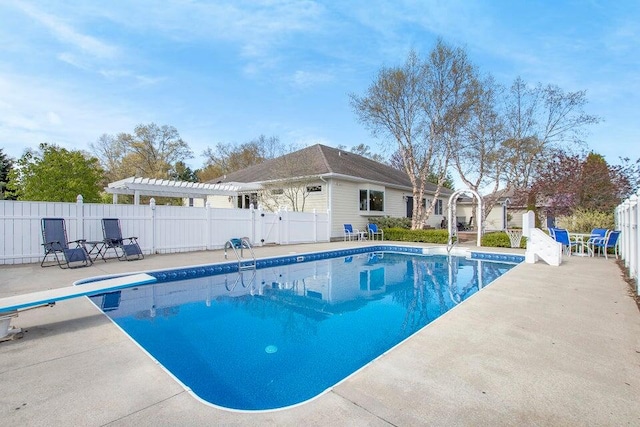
pixel 452 240
pixel 244 264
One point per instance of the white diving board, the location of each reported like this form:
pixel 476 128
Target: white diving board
pixel 17 302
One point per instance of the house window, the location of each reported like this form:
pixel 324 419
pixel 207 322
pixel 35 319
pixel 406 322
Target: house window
pixel 245 200
pixel 277 191
pixel 372 200
pixel 314 188
pixel 437 209
pixel 364 196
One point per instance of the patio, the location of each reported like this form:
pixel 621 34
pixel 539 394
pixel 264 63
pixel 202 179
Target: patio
pixel 541 346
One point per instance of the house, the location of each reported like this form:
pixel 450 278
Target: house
pixel 350 187
pixel 504 214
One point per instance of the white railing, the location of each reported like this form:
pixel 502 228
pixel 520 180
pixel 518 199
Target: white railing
pixel 160 229
pixel 627 220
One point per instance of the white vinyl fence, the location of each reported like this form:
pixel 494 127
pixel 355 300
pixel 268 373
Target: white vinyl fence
pixel 160 229
pixel 627 220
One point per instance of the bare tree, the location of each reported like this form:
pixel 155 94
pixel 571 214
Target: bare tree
pixel 155 149
pixel 477 154
pixel 228 158
pixel 291 184
pixel 365 151
pixel 151 151
pixel 111 152
pixel 421 105
pixel 538 120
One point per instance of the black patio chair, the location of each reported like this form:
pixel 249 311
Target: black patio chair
pixel 54 237
pixel 126 248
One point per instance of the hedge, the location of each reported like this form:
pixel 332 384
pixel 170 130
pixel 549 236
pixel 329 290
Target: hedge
pixel 498 239
pixel 425 236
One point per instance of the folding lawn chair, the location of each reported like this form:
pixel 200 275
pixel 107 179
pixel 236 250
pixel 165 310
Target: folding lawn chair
pixel 54 237
pixel 126 248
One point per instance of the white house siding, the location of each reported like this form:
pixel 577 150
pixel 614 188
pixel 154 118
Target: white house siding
pixel 516 217
pixel 395 204
pixel 494 220
pixel 435 219
pixel 345 207
pixel 218 202
pixel 317 200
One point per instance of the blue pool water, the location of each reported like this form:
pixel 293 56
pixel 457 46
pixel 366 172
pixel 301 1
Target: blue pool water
pixel 284 334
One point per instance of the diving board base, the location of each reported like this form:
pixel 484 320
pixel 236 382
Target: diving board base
pixel 18 302
pixel 8 333
pixel 10 306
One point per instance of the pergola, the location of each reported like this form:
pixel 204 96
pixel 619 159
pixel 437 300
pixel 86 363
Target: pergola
pixel 166 188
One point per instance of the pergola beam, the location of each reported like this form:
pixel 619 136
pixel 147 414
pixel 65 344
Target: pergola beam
pixel 165 188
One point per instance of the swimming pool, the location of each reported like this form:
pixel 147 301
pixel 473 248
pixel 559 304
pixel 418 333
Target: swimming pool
pixel 284 333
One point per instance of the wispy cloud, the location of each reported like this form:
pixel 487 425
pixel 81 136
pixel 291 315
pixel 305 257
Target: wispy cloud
pixel 33 112
pixel 260 31
pixel 66 34
pixel 229 70
pixel 303 79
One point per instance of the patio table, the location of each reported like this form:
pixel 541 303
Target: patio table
pixel 97 248
pixel 581 240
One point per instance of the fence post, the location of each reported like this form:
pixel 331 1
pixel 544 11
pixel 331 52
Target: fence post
pixel 626 232
pixel 284 226
pixel 315 226
pixel 636 241
pixel 253 224
pixel 629 239
pixel 621 225
pixel 152 205
pixel 208 226
pixel 79 218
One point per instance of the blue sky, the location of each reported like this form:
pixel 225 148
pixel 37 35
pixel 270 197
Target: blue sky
pixel 229 71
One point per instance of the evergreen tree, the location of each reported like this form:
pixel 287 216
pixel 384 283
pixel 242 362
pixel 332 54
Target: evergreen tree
pixel 6 164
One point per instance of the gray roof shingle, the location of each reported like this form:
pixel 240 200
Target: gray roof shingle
pixel 321 160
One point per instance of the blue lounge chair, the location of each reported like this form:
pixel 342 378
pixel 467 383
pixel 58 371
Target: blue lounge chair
pixel 604 244
pixel 54 237
pixel 126 248
pixel 351 233
pixel 561 235
pixel 597 234
pixel 374 231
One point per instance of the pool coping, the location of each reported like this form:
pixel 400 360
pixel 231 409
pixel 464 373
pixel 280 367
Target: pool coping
pixel 224 267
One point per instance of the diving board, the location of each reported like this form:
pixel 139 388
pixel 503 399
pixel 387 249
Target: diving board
pixel 18 302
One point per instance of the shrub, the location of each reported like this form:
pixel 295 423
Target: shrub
pixel 401 234
pixel 389 222
pixel 425 236
pixel 583 221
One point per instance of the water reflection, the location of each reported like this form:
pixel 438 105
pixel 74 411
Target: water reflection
pixel 425 287
pixel 278 336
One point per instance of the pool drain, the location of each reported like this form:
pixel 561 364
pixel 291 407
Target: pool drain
pixel 270 349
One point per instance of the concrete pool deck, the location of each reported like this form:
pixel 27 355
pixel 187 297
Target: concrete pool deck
pixel 541 346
